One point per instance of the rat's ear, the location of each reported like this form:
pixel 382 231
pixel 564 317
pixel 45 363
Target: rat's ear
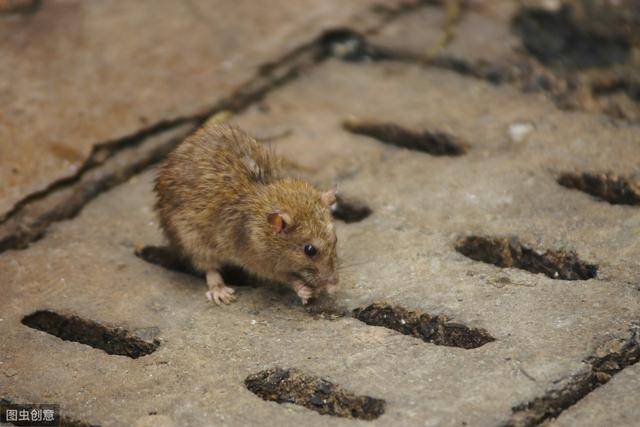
pixel 279 221
pixel 329 196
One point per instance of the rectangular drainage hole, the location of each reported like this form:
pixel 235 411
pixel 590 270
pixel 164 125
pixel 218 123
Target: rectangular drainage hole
pixel 615 189
pixel 600 369
pixel 111 340
pixel 320 395
pixel 165 257
pixel 436 330
pixel 349 210
pixel 510 253
pixel 435 143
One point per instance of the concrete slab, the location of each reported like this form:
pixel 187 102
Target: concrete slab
pixel 556 47
pixel 403 254
pixel 614 404
pixel 83 74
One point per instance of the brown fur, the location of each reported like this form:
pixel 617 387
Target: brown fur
pixel 215 193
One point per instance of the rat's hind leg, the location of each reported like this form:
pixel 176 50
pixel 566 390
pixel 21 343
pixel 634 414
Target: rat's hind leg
pixel 218 292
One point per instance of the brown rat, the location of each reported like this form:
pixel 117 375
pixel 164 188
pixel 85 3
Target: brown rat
pixel 222 199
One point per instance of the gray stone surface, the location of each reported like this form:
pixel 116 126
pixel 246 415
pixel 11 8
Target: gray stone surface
pixel 77 74
pixel 402 254
pixel 488 42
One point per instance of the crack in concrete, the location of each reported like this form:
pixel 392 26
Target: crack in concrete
pixel 600 369
pixel 29 219
pixel 529 73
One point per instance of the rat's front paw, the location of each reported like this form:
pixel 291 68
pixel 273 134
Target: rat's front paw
pixel 303 291
pixel 222 294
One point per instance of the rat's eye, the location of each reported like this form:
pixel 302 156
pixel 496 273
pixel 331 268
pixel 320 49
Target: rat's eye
pixel 310 250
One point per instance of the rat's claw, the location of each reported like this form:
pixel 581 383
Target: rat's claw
pixel 222 294
pixel 303 291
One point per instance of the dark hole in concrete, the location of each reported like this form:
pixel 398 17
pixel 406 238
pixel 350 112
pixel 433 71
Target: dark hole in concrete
pixel 436 330
pixel 614 189
pixel 617 85
pixel 20 7
pixel 510 253
pixel 347 45
pixel 555 40
pixel 111 340
pixel 435 143
pixel 349 210
pixel 600 370
pixel 164 256
pixel 292 386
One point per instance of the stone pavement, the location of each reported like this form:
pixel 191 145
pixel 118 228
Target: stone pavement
pixel 82 77
pixel 495 281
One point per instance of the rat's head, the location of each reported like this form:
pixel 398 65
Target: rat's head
pixel 300 239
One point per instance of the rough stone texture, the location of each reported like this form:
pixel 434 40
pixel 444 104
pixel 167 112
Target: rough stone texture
pixel 80 73
pixel 32 220
pixel 482 32
pixel 554 47
pixel 403 254
pixel 615 404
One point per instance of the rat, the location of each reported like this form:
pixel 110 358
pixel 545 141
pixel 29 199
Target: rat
pixel 222 198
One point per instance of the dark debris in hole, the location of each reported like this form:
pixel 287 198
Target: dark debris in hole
pixel 614 189
pixel 349 210
pixel 435 143
pixel 292 386
pixel 326 307
pixel 612 86
pixel 111 340
pixel 511 253
pixel 555 40
pixel 438 330
pixel 600 370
